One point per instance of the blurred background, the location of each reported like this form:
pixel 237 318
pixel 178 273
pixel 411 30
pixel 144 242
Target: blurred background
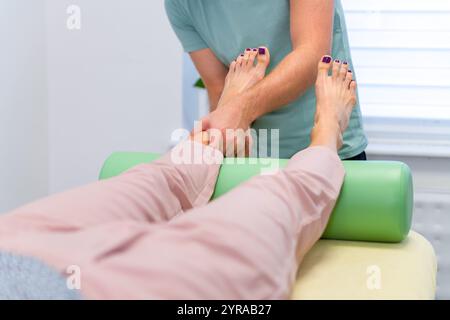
pixel 71 95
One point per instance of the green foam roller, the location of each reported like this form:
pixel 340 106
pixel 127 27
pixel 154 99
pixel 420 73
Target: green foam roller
pixel 375 204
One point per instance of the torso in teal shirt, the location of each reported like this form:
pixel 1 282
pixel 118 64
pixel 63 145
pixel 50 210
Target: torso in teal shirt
pixel 228 27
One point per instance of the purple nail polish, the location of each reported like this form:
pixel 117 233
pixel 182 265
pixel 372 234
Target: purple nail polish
pixel 350 71
pixel 248 49
pixel 337 61
pixel 345 62
pixel 254 49
pixel 262 51
pixel 326 59
pixel 242 55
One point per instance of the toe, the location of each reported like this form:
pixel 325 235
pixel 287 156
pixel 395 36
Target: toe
pixel 232 66
pixel 231 70
pixel 353 93
pixel 336 69
pixel 324 66
pixel 353 87
pixel 263 58
pixel 343 71
pixel 348 78
pixel 252 56
pixel 246 60
pixel 239 63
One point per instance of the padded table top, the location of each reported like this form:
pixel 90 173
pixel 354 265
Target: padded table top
pixel 364 270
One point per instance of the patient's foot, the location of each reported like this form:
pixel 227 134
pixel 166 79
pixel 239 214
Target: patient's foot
pixel 246 71
pixel 336 97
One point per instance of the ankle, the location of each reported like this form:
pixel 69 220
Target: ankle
pixel 327 134
pixel 326 116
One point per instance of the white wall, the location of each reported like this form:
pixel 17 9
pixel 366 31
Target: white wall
pixel 113 85
pixel 23 112
pixel 70 98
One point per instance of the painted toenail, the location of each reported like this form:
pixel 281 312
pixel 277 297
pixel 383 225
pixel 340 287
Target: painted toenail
pixel 262 51
pixel 248 49
pixel 326 59
pixel 345 62
pixel 254 49
pixel 350 71
pixel 242 55
pixel 337 61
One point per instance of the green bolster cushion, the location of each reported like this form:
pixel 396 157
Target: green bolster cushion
pixel 375 203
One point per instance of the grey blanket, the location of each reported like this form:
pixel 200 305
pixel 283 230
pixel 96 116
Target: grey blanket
pixel 28 278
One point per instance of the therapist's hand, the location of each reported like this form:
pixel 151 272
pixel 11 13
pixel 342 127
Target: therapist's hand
pixel 232 115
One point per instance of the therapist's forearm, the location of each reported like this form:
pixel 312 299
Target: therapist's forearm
pixel 288 81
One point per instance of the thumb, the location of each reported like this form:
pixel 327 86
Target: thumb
pixel 201 126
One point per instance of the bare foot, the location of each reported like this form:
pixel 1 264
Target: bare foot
pixel 336 98
pixel 246 71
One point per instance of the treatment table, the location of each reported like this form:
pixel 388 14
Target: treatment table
pixel 367 251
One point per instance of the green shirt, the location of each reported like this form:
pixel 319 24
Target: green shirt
pixel 228 27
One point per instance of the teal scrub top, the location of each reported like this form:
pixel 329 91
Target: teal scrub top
pixel 228 27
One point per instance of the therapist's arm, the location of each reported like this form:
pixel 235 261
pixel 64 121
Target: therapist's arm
pixel 311 32
pixel 212 72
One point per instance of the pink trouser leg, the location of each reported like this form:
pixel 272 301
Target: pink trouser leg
pixel 245 245
pixel 248 244
pixel 153 192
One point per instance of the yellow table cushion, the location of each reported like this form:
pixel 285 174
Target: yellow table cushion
pixel 363 270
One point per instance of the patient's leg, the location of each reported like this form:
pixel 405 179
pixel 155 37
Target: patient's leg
pixel 245 245
pixel 149 193
pixel 248 243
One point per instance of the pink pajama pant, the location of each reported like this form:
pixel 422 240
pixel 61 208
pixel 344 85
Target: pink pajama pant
pixel 151 234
